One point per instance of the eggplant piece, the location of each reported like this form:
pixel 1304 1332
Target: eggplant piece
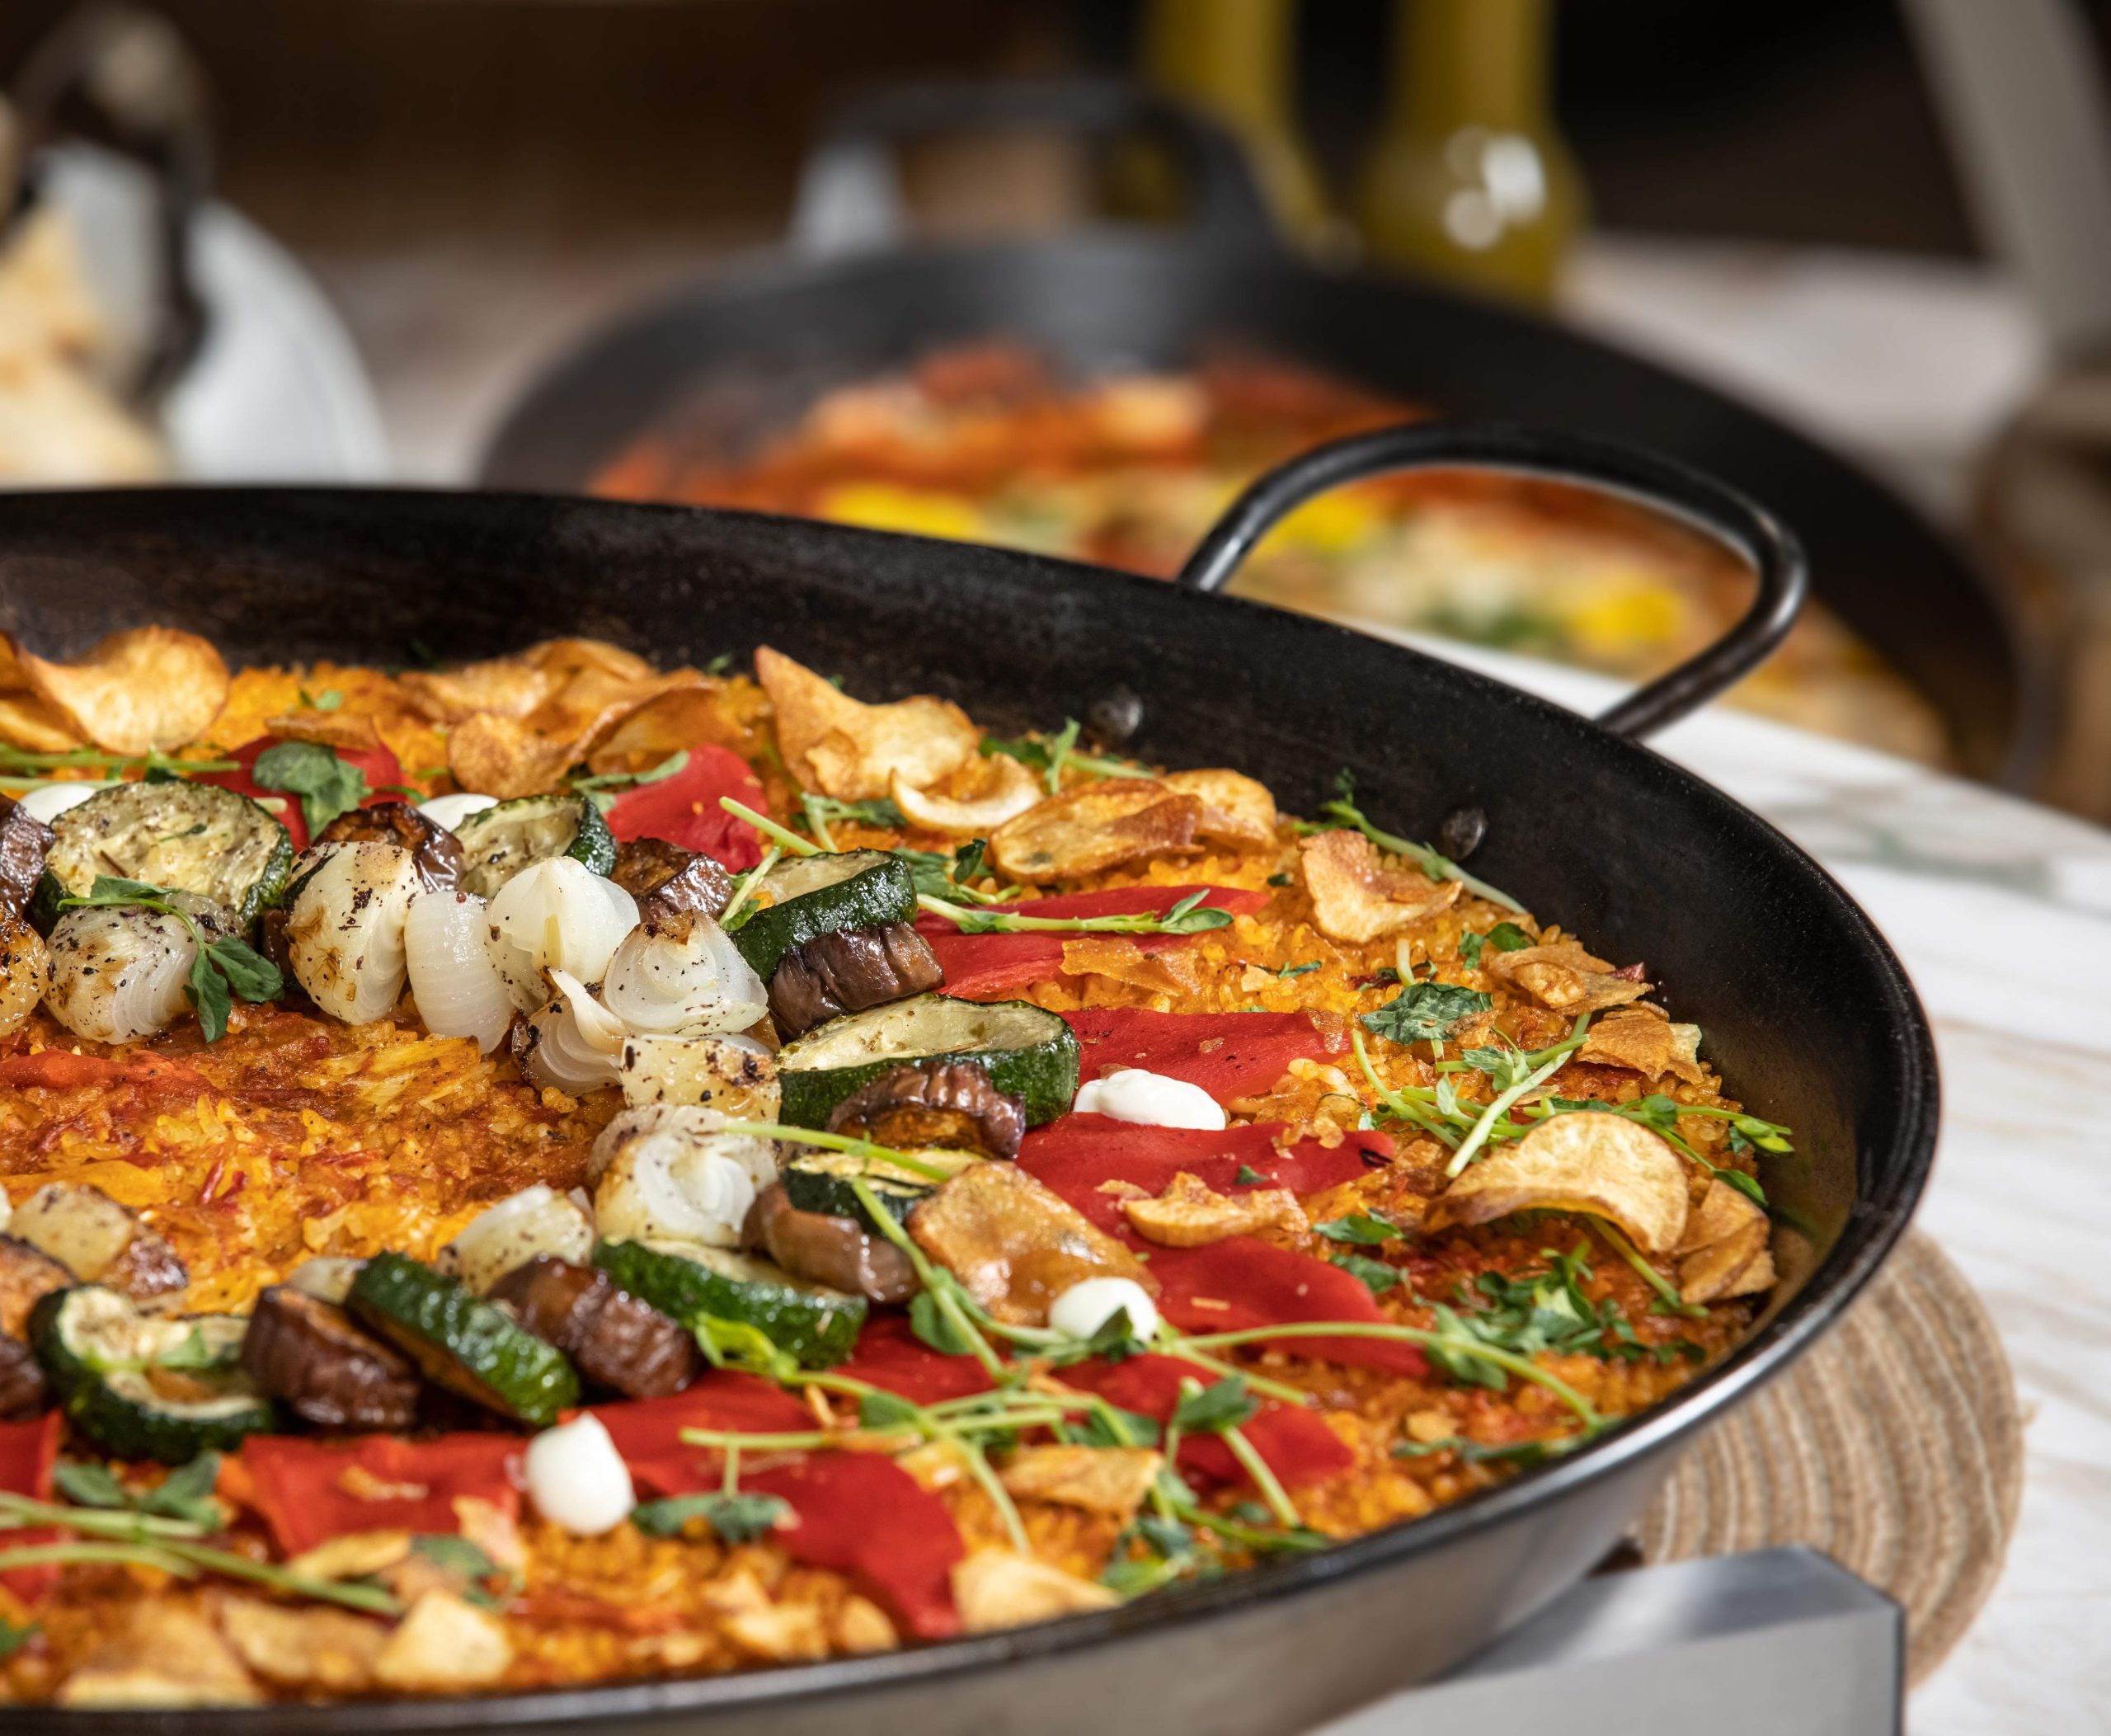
pixel 847 971
pixel 24 841
pixel 615 1339
pixel 24 1391
pixel 307 1353
pixel 27 1275
pixel 667 880
pixel 947 1103
pixel 834 1251
pixel 435 852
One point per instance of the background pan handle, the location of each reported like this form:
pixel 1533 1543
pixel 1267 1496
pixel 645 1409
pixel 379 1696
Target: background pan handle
pixel 1741 525
pixel 850 195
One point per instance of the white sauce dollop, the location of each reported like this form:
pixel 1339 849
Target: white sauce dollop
pixel 54 799
pixel 577 1479
pixel 1088 1304
pixel 451 811
pixel 1134 1095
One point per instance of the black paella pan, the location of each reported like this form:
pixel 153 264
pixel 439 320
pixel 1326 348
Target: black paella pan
pixel 1808 1013
pixel 742 352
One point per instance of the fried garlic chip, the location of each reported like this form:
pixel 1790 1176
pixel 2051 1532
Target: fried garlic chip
pixel 1096 1480
pixel 1586 1161
pixel 1355 898
pixel 1566 977
pixel 996 1588
pixel 143 689
pixel 1236 809
pixel 1000 788
pixel 1098 825
pixel 1725 1250
pixel 851 750
pixel 1190 1214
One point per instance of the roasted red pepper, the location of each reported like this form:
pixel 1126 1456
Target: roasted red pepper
pixel 1295 1444
pixel 986 967
pixel 1228 1054
pixel 27 1453
pixel 684 809
pixel 380 767
pixel 309 1492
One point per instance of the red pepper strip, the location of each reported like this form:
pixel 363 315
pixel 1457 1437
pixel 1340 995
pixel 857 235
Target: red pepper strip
pixel 684 809
pixel 1075 1154
pixel 1259 1284
pixel 1296 1445
pixel 300 1489
pixel 1228 1054
pixel 27 1453
pixel 862 1514
pixel 61 1070
pixel 380 766
pixel 890 1355
pixel 648 1432
pixel 983 967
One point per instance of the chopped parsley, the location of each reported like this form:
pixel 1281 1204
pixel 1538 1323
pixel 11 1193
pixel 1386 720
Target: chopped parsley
pixel 1248 1177
pixel 1548 1310
pixel 736 1518
pixel 1428 1012
pixel 222 969
pixel 1359 1228
pixel 327 786
pixel 1377 1276
pixel 1224 1404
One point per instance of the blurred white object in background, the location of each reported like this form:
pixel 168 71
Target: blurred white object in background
pixel 277 393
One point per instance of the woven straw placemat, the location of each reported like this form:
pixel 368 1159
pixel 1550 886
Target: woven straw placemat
pixel 1894 1446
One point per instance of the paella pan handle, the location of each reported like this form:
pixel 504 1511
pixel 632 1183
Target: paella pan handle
pixel 1747 529
pixel 850 195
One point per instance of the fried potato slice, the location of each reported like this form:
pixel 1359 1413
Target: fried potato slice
pixel 145 689
pixel 1724 1252
pixel 683 717
pixel 507 687
pixel 25 720
pixel 310 1646
pixel 1096 826
pixel 1173 971
pixel 494 754
pixel 1587 1161
pixel 162 1655
pixel 1356 898
pixel 1236 809
pixel 1000 788
pixel 996 1588
pixel 327 729
pixel 1189 1214
pixel 1566 977
pixel 1643 1039
pixel 445 1645
pixel 1015 1244
pixel 565 658
pixel 851 750
pixel 1098 1479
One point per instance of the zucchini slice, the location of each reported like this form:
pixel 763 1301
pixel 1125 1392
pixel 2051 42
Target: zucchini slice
pixel 183 837
pixel 815 895
pixel 463 1343
pixel 1027 1050
pixel 498 842
pixel 142 1387
pixel 690 1281
pixel 820 1181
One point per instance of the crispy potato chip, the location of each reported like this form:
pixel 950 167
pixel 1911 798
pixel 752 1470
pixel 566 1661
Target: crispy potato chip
pixel 1189 1214
pixel 565 658
pixel 1643 1039
pixel 25 720
pixel 492 755
pixel 1724 1251
pixel 145 689
pixel 1096 826
pixel 327 729
pixel 1585 1160
pixel 509 687
pixel 1098 1479
pixel 1236 809
pixel 1003 789
pixel 1356 899
pixel 851 750
pixel 996 1588
pixel 1565 977
pixel 683 717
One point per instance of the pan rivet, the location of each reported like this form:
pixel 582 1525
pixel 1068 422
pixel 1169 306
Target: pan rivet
pixel 1116 718
pixel 1461 832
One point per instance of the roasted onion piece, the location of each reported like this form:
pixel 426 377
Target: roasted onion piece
pixel 667 880
pixel 117 972
pixel 681 975
pixel 847 971
pixel 23 963
pixel 435 851
pixel 345 927
pixel 307 1353
pixel 616 1340
pixel 948 1104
